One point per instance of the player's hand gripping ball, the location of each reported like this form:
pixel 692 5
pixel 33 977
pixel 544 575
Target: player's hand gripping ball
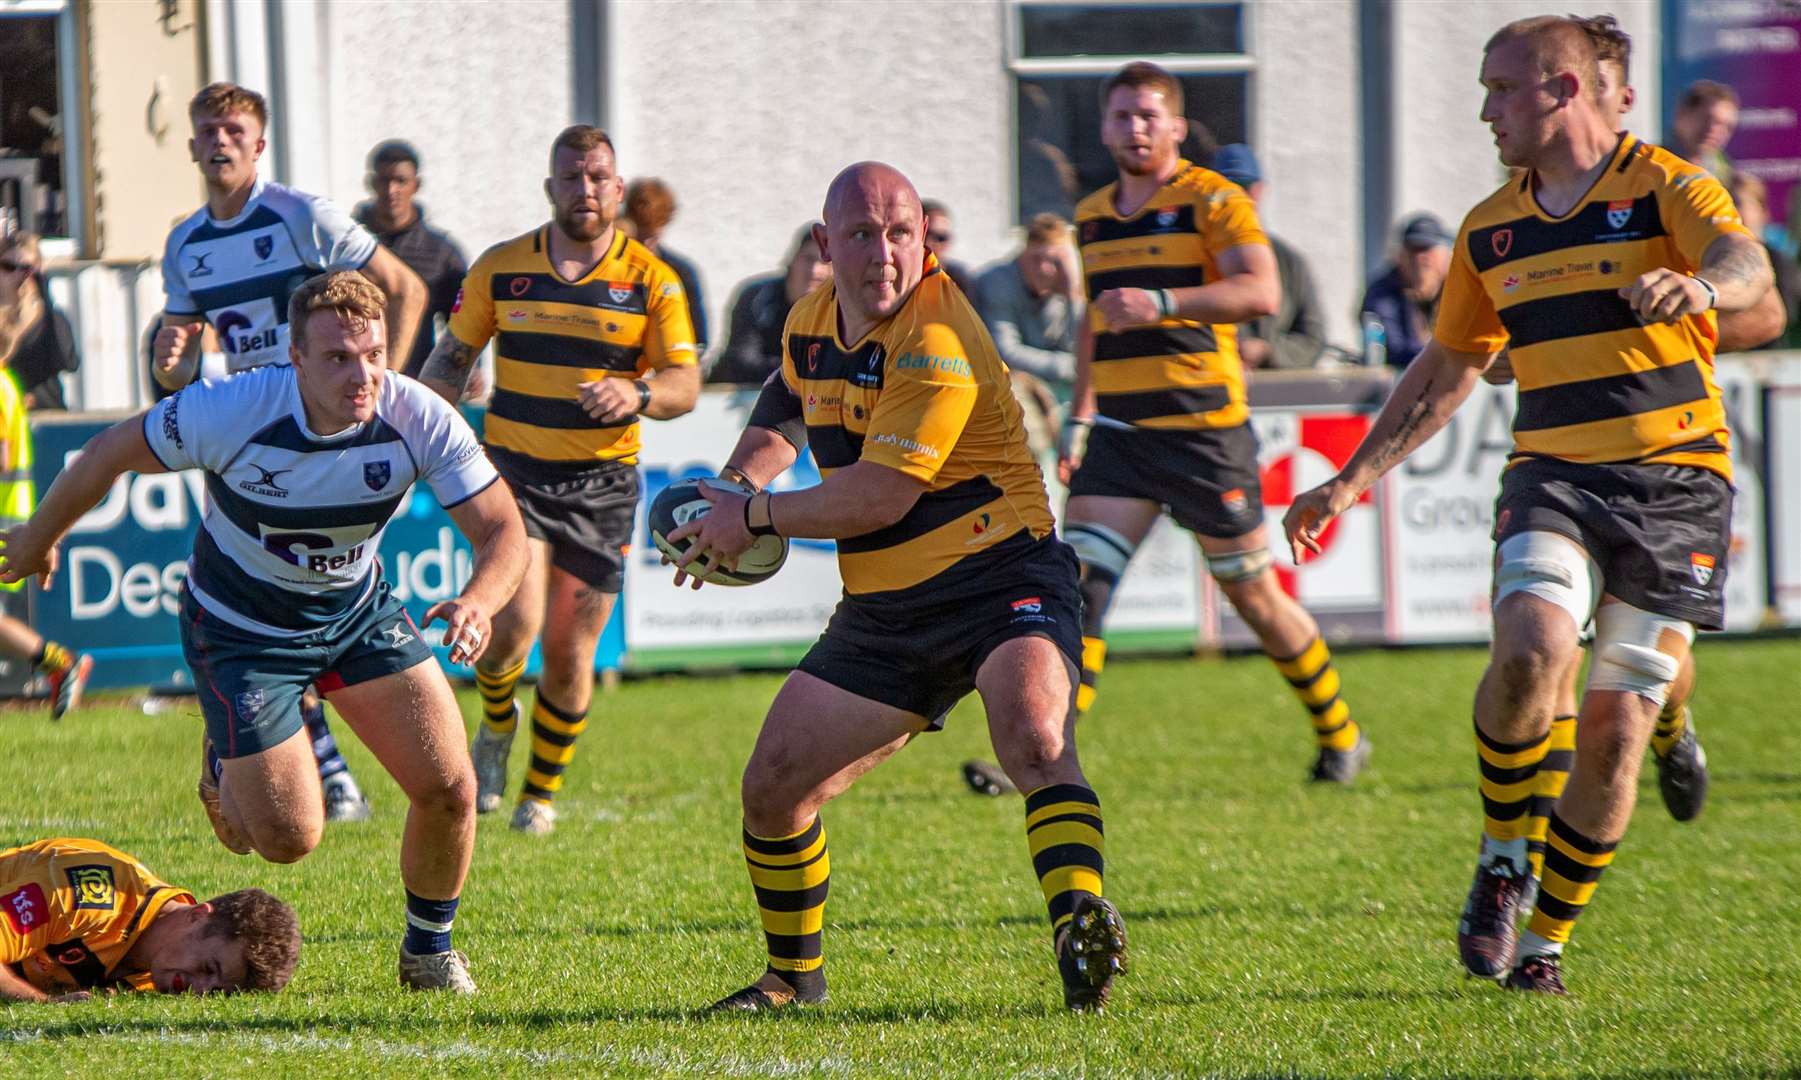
pixel 682 502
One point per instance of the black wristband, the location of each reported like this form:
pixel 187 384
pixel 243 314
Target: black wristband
pixel 760 530
pixel 643 394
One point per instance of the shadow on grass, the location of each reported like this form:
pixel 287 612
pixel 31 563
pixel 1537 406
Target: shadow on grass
pixel 743 924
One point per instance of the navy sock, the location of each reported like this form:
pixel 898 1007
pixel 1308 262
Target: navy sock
pixel 428 924
pixel 325 747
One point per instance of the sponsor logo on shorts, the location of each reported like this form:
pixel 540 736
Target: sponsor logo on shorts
pixel 1029 609
pixel 1619 212
pixel 376 474
pixel 397 635
pixel 1701 565
pixel 25 908
pixel 248 703
pixel 92 887
pixel 1235 501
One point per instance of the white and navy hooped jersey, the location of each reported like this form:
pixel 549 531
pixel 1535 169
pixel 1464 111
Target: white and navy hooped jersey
pixel 238 274
pixel 293 520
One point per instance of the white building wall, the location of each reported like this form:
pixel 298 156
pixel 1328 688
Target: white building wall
pixel 1305 127
pixel 1446 161
pixel 756 106
pixel 480 87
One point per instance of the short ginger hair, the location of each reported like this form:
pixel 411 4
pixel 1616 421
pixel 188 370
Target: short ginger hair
pixel 1144 75
pixel 650 205
pixel 269 930
pixel 353 297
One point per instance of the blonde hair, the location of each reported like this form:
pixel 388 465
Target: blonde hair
pixel 348 294
pixel 1557 43
pixel 223 98
pixel 1047 229
pixel 23 313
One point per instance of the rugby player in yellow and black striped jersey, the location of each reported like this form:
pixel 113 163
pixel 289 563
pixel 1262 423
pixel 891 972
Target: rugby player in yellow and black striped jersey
pixel 954 581
pixel 591 333
pixel 1174 258
pixel 79 917
pixel 1600 270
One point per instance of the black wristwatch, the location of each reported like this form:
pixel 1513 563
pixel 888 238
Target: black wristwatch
pixel 643 393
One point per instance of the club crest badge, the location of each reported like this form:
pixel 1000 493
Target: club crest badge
pixel 376 474
pixel 265 246
pixel 520 285
pixel 1619 212
pixel 1701 566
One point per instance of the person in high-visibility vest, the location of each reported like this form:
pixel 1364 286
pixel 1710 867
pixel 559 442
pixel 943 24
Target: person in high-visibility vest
pixel 66 670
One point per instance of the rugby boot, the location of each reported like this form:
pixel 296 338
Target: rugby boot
pixel 343 799
pixel 1341 766
pixel 489 753
pixel 772 991
pixel 1541 973
pixel 985 778
pixel 209 800
pixel 534 817
pixel 447 970
pixel 1682 774
pixel 66 685
pixel 1091 951
pixel 1487 932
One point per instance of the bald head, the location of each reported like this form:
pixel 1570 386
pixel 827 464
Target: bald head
pixel 874 239
pixel 867 183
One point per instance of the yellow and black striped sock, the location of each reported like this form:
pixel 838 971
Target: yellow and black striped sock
pixel 791 876
pixel 1670 724
pixel 1315 682
pixel 1063 833
pixel 1094 658
pixel 553 744
pixel 1509 779
pixel 1553 774
pixel 52 659
pixel 1573 864
pixel 500 713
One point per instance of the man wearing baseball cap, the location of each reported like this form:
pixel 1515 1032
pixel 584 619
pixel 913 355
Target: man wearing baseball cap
pixel 1405 298
pixel 1294 336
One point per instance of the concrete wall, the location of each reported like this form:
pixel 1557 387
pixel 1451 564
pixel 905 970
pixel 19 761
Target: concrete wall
pixel 1305 122
pixel 480 87
pixel 769 100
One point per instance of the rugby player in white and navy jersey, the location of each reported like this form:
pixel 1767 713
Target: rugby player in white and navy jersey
pixel 305 465
pixel 233 263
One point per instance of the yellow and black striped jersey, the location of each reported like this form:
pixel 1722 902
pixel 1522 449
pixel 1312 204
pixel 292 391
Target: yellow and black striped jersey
pixel 625 317
pixel 1179 374
pixel 71 909
pixel 1596 384
pixel 924 392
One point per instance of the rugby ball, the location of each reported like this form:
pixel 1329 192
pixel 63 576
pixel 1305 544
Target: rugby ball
pixel 682 502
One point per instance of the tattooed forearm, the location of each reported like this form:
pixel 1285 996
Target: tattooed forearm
pixel 1430 390
pixel 1392 450
pixel 1739 269
pixel 447 369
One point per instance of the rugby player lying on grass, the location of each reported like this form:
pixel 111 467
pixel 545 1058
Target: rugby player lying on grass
pixel 77 916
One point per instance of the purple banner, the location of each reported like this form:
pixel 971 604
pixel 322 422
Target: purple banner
pixel 1753 46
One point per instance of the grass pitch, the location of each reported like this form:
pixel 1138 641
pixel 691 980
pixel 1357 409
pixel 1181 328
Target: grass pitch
pixel 1277 929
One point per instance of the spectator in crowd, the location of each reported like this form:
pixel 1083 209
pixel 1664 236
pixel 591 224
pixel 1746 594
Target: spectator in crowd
pixel 1405 297
pixel 1031 304
pixel 941 235
pixel 649 208
pixel 753 343
pixel 1704 122
pixel 1753 201
pixel 35 339
pixel 1293 337
pixel 398 221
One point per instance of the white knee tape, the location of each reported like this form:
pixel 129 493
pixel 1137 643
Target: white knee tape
pixel 1550 567
pixel 1628 656
pixel 1097 545
pixel 1236 566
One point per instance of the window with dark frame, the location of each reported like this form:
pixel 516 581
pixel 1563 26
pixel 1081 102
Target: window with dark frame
pixel 31 126
pixel 1062 53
